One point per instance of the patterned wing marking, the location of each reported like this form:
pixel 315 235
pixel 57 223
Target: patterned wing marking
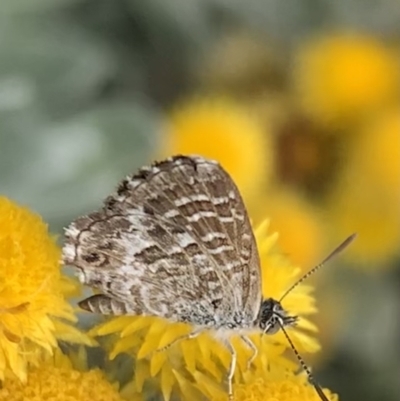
pixel 195 205
pixel 210 206
pixel 190 207
pixel 216 199
pixel 199 195
pixel 144 267
pixel 163 197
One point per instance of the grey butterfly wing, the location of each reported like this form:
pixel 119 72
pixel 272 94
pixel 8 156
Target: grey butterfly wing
pixel 173 241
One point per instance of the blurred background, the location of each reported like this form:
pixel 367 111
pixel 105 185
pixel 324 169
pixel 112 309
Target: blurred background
pixel 298 99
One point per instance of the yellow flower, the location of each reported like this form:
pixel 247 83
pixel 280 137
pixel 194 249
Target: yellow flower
pixel 33 311
pixel 273 386
pixel 306 155
pixel 298 224
pixel 185 366
pixel 55 379
pixel 379 141
pixel 345 75
pixel 376 221
pixel 367 197
pixel 222 129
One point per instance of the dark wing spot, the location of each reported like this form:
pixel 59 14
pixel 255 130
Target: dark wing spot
pixel 91 257
pixel 123 187
pixel 110 202
pixel 216 303
pixel 164 164
pixel 177 230
pixel 186 160
pixel 158 232
pixel 169 163
pixel 148 210
pixel 150 255
pixel 142 174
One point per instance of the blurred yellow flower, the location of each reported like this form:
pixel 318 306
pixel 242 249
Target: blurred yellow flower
pixel 376 221
pixel 375 155
pixel 196 366
pixel 224 130
pixel 298 223
pixel 33 311
pixel 345 75
pixel 306 155
pixel 367 196
pixel 55 379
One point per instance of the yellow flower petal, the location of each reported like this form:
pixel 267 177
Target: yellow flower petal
pixel 125 344
pixel 188 390
pixel 142 372
pixel 32 292
pixel 112 326
pixel 132 326
pixel 151 341
pixel 170 335
pixel 61 384
pixel 157 362
pixel 189 352
pixel 209 387
pixel 167 382
pixel 57 378
pixel 71 334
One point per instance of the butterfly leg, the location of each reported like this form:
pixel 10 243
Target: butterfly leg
pixel 253 348
pixel 231 370
pixel 188 336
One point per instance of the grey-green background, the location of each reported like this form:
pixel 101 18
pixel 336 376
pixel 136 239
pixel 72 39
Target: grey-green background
pixel 84 85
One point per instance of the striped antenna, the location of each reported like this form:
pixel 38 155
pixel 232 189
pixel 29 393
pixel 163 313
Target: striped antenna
pixel 311 379
pixel 335 252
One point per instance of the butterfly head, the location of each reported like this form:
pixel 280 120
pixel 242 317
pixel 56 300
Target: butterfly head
pixel 272 317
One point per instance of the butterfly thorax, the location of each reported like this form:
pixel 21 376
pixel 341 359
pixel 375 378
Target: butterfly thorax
pixel 272 317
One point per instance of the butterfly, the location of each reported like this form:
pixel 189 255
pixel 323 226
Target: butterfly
pixel 175 241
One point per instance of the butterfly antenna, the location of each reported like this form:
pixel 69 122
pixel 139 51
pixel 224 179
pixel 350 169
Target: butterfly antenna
pixel 335 252
pixel 311 379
